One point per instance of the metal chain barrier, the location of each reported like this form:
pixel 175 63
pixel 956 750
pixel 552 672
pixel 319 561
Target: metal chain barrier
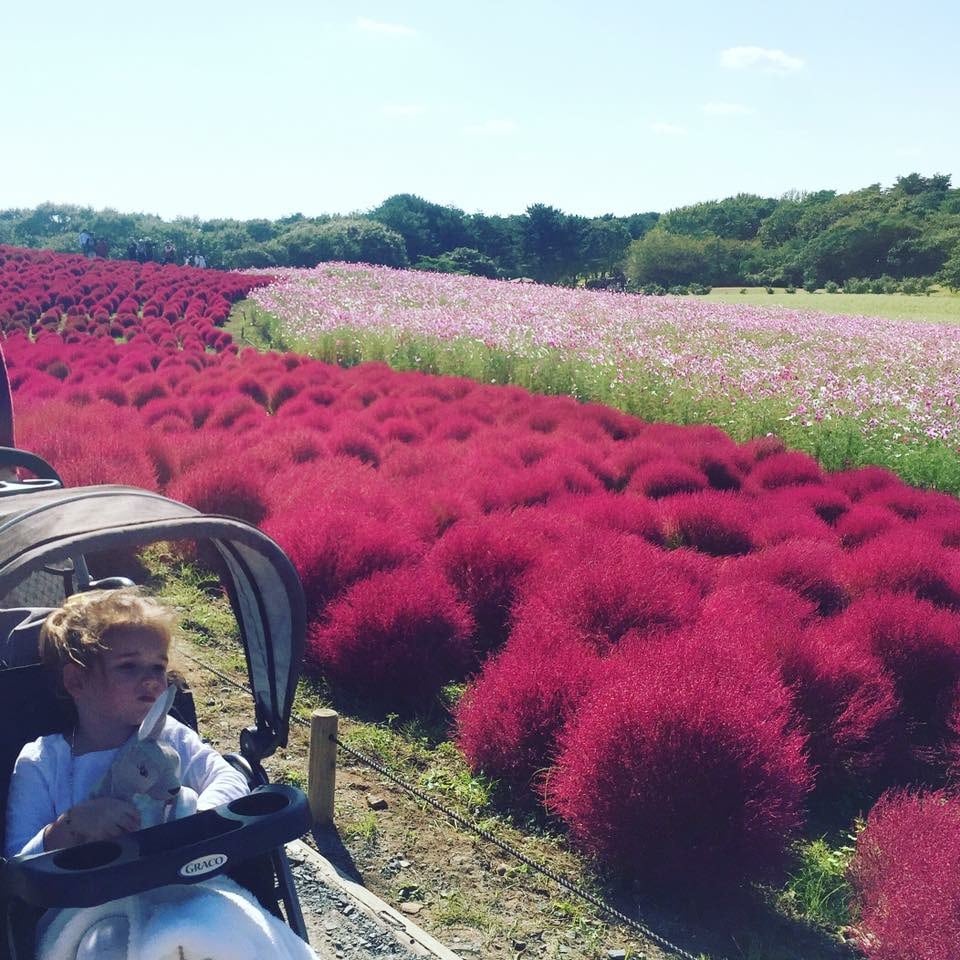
pixel 466 824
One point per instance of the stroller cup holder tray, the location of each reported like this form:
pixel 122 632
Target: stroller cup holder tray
pixel 182 851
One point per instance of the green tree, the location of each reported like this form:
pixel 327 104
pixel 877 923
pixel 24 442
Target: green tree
pixel 549 242
pixel 463 260
pixel 352 239
pixel 427 228
pixel 603 245
pixel 950 274
pixel 498 238
pixel 856 246
pixel 665 258
pixel 734 218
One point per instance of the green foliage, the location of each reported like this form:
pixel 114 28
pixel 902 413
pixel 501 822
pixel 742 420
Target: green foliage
pixel 464 260
pixel 736 218
pixel 664 258
pixel 352 239
pixel 950 274
pixel 906 232
pixel 549 243
pixel 818 890
pixel 427 229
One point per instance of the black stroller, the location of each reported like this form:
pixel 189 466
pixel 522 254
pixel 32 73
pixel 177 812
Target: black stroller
pixel 47 536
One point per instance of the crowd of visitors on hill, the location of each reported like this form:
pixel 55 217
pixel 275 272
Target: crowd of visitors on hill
pixel 141 249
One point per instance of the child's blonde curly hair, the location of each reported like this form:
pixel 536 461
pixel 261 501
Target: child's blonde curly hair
pixel 79 631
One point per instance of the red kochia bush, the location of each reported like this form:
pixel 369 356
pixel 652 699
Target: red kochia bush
pixel 683 768
pixel 904 874
pixel 395 638
pixel 98 443
pixel 804 566
pixel 905 560
pixel 607 586
pixel 860 481
pixel 666 476
pixel 509 718
pixel 333 544
pixel 919 646
pixel 712 522
pixel 849 706
pixel 484 559
pixel 784 470
pixel 223 486
pixel 862 523
pixel 841 692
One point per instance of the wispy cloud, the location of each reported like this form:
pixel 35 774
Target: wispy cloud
pixel 491 128
pixel 404 110
pixel 721 109
pixel 762 58
pixel 378 26
pixel 667 129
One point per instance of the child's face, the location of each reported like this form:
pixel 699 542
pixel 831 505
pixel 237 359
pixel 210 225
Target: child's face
pixel 120 687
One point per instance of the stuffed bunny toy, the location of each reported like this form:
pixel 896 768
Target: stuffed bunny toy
pixel 147 772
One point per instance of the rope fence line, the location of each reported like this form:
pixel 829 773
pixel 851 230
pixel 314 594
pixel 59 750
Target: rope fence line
pixel 564 882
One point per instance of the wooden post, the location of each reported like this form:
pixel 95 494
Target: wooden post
pixel 322 774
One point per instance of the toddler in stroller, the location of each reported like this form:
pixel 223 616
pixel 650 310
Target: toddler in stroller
pixel 109 651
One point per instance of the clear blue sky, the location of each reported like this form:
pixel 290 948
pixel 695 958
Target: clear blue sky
pixel 261 109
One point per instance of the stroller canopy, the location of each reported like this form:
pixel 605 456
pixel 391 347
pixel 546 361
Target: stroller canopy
pixel 45 527
pixel 6 406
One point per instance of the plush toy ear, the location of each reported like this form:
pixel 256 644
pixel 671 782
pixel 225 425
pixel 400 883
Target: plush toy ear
pixel 156 716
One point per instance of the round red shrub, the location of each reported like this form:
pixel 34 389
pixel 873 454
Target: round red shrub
pixel 666 476
pixel 98 443
pixel 807 567
pixel 862 523
pixel 910 503
pixel 904 875
pixel 333 544
pixel 605 586
pixel 510 716
pixel 919 647
pixel 616 512
pixel 683 768
pixel 224 486
pixel 484 559
pixel 395 638
pixel 715 523
pixel 905 560
pixel 784 470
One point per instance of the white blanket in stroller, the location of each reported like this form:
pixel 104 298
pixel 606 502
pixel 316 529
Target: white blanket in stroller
pixel 215 919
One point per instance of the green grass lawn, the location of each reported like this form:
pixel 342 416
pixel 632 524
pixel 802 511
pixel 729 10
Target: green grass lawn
pixel 940 306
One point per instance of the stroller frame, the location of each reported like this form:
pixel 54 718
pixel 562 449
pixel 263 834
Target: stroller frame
pixel 46 531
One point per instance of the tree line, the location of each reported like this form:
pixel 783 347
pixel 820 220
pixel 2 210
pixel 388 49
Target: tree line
pixel 905 236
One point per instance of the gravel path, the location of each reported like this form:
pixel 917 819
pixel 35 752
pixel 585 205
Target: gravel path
pixel 339 927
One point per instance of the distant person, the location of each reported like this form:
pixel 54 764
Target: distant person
pixel 102 247
pixel 187 260
pixel 200 261
pixel 169 253
pixel 86 243
pixel 141 252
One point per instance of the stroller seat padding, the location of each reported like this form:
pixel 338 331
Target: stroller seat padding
pixel 20 635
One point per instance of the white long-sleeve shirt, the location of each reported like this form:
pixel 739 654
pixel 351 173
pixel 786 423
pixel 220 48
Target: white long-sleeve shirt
pixel 48 780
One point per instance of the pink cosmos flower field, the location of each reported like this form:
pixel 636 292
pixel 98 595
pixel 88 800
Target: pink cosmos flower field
pixel 896 376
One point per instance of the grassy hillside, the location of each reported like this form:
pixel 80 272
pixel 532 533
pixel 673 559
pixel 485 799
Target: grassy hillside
pixel 938 307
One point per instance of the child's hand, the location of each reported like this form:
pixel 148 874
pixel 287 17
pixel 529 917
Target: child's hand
pixel 99 819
